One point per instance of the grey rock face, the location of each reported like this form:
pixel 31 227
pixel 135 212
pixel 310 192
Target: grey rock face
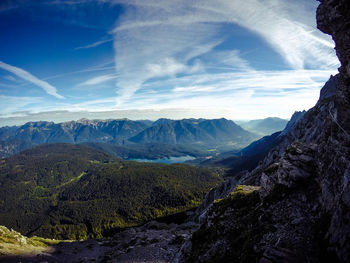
pixel 329 88
pixel 295 118
pixel 302 213
pixel 219 192
pixel 315 153
pixel 333 19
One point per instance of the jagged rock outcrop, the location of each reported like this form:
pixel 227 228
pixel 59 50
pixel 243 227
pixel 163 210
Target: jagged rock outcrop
pixel 329 88
pixel 260 147
pixel 333 18
pixel 302 211
pixel 293 120
pixel 219 192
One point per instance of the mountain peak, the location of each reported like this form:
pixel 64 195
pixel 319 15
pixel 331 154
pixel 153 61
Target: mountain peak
pixel 194 131
pixel 328 89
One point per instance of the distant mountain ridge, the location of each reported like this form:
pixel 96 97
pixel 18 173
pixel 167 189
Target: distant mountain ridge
pixel 123 131
pixel 17 138
pixel 265 126
pixel 79 131
pixel 193 130
pixel 249 157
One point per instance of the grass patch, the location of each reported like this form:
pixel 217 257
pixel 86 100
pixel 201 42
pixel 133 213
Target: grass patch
pixel 13 243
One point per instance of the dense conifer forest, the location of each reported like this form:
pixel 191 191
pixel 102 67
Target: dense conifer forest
pixel 66 191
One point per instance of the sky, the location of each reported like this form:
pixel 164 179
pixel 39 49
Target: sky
pixel 146 59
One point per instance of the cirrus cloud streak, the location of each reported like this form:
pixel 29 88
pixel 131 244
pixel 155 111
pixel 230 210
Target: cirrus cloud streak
pixel 48 88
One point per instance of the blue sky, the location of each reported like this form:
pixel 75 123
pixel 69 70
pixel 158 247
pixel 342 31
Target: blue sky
pixel 145 59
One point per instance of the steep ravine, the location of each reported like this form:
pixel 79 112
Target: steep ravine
pixel 301 212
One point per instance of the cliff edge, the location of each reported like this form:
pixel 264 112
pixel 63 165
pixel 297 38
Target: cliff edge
pixel 301 211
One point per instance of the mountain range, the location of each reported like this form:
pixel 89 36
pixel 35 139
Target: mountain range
pixel 249 157
pixel 200 132
pixel 194 130
pixel 74 131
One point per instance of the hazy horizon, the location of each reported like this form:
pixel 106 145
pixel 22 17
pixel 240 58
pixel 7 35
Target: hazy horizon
pixel 65 116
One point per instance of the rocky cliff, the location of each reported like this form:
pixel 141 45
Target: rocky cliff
pixel 301 212
pixel 333 18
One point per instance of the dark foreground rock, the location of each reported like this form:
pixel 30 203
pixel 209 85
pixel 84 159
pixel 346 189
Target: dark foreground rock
pixel 333 19
pixel 152 242
pixel 302 211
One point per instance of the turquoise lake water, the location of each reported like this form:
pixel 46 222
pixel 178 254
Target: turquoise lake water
pixel 170 160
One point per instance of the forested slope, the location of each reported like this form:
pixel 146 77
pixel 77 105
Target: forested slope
pixel 72 191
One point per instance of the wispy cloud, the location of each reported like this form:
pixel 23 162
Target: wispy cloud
pixel 98 80
pixel 277 82
pixel 105 66
pixel 150 45
pixel 234 95
pixel 170 67
pixel 10 78
pixel 49 89
pixel 253 94
pixel 294 38
pixel 227 59
pixel 16 103
pixel 194 89
pixel 95 44
pixel 183 54
pixel 161 38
